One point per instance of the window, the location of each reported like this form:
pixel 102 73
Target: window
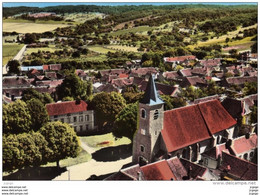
pixel 245 156
pixel 143 131
pixel 55 116
pixel 68 119
pixel 75 128
pixel 81 113
pixel 7 94
pixel 87 127
pixel 156 115
pixel 81 128
pixel 251 154
pixel 143 113
pixel 75 119
pixel 81 118
pixel 68 114
pixel 62 120
pixel 87 118
pixel 155 132
pixel 142 148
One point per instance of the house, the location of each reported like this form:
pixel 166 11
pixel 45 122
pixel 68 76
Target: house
pixel 139 72
pixel 74 113
pixel 167 169
pixel 81 74
pixel 52 67
pixel 234 168
pixel 184 132
pixel 209 63
pixel 195 81
pixel 227 82
pixel 179 60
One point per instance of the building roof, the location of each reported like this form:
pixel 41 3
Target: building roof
pixel 171 75
pixel 151 96
pixel 15 82
pixel 107 88
pixel 177 168
pixel 242 144
pixel 159 170
pixel 239 168
pixel 216 151
pixel 204 99
pixel 240 80
pixel 186 72
pixel 144 71
pixel 183 127
pixel 210 62
pixel 215 116
pixel 180 58
pixel 191 124
pixel 193 169
pixel 66 107
pixel 195 80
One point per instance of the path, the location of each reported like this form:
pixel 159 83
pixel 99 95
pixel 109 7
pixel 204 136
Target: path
pixel 84 170
pixel 19 55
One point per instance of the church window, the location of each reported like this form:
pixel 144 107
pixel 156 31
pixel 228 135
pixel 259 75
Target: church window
pixel 143 131
pixel 156 114
pixel 251 154
pixel 142 148
pixel 143 113
pixel 155 132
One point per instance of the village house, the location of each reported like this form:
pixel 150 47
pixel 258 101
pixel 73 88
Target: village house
pixel 74 113
pixel 184 132
pixel 179 60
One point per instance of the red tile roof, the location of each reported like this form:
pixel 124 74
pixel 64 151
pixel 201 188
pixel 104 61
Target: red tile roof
pixel 186 72
pixel 144 71
pixel 195 80
pixel 208 98
pixel 66 107
pixel 240 80
pixel 171 75
pixel 191 124
pixel 177 168
pixel 216 117
pixel 123 76
pixel 210 62
pixel 242 144
pixel 183 127
pixel 158 171
pixel 15 81
pixel 195 169
pixel 239 168
pixel 180 58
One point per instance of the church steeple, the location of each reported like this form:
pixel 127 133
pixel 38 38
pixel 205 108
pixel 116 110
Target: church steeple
pixel 151 96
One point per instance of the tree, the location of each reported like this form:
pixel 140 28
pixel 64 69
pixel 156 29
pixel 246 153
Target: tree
pixel 173 102
pixel 126 122
pixel 13 67
pixel 253 114
pixel 62 141
pixel 22 150
pixel 107 106
pixel 132 97
pixel 72 86
pixel 250 88
pixel 31 93
pixel 16 117
pixel 38 112
pixel 29 38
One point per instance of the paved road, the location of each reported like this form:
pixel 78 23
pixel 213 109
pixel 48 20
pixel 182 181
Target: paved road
pixel 19 55
pixel 84 170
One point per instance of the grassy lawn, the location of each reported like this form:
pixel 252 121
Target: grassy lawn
pixel 10 50
pixel 124 48
pixel 140 29
pixel 35 50
pixel 107 140
pixel 25 27
pixel 12 20
pixel 82 157
pixel 100 49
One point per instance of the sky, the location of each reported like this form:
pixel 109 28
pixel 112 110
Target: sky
pixel 46 4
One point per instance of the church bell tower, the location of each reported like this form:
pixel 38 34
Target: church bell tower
pixel 150 124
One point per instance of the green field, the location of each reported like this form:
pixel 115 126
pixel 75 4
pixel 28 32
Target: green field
pixel 122 48
pixel 10 51
pixel 94 141
pixel 140 29
pixel 51 48
pixel 100 49
pixel 12 20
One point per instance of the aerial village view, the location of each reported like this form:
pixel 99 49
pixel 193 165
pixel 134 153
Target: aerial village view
pixel 128 91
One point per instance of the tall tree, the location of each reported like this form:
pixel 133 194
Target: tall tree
pixel 107 106
pixel 13 67
pixel 16 118
pixel 62 140
pixel 126 122
pixel 31 93
pixel 72 86
pixel 38 112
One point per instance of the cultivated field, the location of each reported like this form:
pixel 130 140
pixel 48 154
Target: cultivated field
pixel 51 48
pixel 30 27
pixel 140 30
pixel 10 50
pixel 82 17
pixel 100 49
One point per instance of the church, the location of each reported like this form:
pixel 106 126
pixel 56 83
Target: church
pixel 185 132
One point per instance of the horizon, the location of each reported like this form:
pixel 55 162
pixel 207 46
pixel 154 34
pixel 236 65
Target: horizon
pixel 48 4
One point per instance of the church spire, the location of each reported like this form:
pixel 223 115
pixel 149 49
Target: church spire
pixel 151 96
